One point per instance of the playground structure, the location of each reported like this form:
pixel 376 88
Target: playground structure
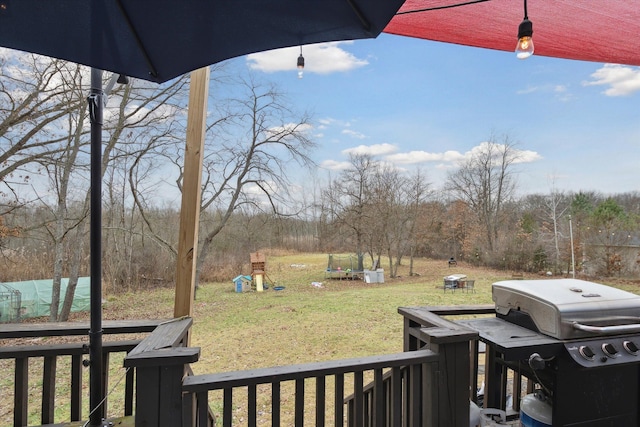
pixel 344 267
pixel 258 280
pixel 258 270
pixel 242 283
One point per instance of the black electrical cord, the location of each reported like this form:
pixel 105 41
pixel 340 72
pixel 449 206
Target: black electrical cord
pixel 449 6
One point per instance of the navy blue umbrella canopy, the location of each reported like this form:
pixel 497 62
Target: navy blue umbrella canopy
pixel 158 40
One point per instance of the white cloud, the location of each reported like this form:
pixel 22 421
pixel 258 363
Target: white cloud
pixel 322 58
pixel 373 150
pixel 254 190
pixel 353 134
pixel 413 157
pixel 620 79
pixel 291 127
pixel 520 156
pixel 445 166
pixel 526 156
pixel 334 165
pixel 451 158
pixel 560 91
pixel 530 89
pixel 389 155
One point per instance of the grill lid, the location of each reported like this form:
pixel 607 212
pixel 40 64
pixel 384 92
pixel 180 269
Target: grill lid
pixel 568 308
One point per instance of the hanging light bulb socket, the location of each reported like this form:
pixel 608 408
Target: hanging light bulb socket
pixel 300 64
pixel 524 48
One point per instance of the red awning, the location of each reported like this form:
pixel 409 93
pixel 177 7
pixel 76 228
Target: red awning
pixel 600 31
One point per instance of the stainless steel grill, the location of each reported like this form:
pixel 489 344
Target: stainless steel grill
pixel 568 308
pixel 578 340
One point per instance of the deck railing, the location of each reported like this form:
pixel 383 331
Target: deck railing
pixel 47 360
pixel 326 405
pixel 427 385
pixel 423 330
pixel 430 384
pixel 433 327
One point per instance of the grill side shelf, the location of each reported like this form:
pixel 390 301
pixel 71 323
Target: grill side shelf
pixel 512 341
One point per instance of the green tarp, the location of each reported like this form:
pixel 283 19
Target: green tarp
pixel 32 298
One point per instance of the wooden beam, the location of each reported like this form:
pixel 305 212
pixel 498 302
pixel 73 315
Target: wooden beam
pixel 63 329
pixel 190 210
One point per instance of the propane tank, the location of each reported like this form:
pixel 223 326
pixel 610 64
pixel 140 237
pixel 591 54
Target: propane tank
pixel 474 415
pixel 535 411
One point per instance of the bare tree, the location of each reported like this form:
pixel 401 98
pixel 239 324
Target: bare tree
pixel 582 205
pixel 348 200
pixel 32 100
pixel 556 204
pixel 387 224
pixel 44 131
pixel 612 224
pixel 459 230
pixel 418 191
pixel 43 100
pixel 485 181
pixel 64 165
pixel 145 129
pixel 255 140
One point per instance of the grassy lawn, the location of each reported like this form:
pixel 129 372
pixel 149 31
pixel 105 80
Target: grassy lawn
pixel 300 324
pixel 303 323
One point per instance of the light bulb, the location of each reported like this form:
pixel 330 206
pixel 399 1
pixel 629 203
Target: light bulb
pixel 300 64
pixel 524 49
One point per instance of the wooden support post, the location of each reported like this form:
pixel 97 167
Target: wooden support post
pixel 190 210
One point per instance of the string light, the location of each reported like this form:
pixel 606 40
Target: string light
pixel 300 64
pixel 524 48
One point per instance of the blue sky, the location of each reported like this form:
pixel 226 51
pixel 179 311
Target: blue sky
pixel 418 103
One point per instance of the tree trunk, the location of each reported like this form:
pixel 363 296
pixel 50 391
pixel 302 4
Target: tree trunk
pixel 411 254
pixel 74 274
pixel 55 286
pixel 57 267
pixel 202 254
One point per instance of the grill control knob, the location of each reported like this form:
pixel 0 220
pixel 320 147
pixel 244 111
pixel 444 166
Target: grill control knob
pixel 586 352
pixel 609 350
pixel 630 347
